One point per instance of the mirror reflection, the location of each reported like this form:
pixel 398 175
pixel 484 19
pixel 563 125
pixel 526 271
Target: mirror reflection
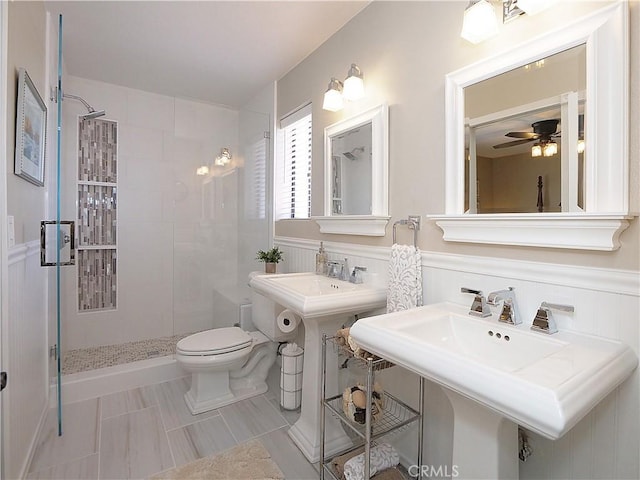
pixel 524 137
pixel 351 171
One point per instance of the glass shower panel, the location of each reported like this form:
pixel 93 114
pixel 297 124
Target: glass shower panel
pixel 218 230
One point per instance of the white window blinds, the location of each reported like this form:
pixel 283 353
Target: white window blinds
pixel 293 169
pixel 256 167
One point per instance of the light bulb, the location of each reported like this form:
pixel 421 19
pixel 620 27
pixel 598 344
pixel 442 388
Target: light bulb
pixel 333 97
pixel 480 22
pixel 531 7
pixel 354 84
pixel 550 149
pixel 536 150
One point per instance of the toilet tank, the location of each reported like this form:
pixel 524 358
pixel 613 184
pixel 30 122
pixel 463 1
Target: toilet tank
pixel 263 316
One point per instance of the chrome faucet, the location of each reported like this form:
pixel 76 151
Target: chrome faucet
pixel 479 307
pixel 344 272
pixel 544 321
pixel 356 275
pixel 334 269
pixel 509 313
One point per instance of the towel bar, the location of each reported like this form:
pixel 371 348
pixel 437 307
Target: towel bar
pixel 413 222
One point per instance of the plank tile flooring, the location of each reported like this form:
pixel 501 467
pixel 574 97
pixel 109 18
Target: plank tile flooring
pixel 140 432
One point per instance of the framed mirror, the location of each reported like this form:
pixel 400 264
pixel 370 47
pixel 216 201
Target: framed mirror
pixel 356 163
pixel 590 197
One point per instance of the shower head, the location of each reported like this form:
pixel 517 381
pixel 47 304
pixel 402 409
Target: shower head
pixel 93 113
pixel 354 154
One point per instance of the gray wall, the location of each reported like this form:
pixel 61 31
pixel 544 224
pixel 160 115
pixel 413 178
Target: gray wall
pixel 405 49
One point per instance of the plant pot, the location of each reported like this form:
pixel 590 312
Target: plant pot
pixel 270 267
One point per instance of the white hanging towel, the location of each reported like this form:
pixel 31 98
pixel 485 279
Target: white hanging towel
pixel 405 278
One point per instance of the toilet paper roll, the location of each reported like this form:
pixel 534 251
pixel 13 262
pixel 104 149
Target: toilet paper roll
pixel 288 321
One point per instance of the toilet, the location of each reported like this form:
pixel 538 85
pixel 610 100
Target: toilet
pixel 230 364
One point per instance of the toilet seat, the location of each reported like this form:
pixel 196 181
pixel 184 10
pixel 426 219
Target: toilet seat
pixel 217 341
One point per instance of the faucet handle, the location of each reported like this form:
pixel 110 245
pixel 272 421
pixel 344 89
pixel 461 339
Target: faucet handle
pixel 544 321
pixel 479 307
pixel 356 275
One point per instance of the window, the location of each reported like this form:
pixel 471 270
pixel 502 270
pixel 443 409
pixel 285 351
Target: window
pixel 293 166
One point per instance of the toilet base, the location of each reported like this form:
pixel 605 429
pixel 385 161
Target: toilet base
pixel 214 389
pixel 232 395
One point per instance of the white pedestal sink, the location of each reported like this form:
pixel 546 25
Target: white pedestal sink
pixel 324 305
pixel 498 376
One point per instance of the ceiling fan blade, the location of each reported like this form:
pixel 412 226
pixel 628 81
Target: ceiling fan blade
pixel 514 143
pixel 522 135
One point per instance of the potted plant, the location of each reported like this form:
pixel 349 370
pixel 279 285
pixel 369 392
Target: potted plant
pixel 270 259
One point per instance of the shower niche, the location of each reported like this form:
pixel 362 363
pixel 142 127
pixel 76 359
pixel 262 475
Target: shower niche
pixel 97 214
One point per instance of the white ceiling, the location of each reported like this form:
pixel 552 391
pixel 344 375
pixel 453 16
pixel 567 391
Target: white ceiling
pixel 222 52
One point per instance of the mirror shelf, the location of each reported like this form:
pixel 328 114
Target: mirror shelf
pixel 606 176
pixel 553 230
pixel 368 225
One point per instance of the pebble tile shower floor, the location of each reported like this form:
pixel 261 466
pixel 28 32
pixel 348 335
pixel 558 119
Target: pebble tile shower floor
pixel 84 359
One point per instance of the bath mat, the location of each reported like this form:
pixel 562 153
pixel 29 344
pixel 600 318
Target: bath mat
pixel 249 461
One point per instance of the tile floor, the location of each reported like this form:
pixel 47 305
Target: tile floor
pixel 140 432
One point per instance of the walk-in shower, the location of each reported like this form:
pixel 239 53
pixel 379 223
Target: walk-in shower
pixel 92 112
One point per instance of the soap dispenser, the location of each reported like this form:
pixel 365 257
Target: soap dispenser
pixel 321 261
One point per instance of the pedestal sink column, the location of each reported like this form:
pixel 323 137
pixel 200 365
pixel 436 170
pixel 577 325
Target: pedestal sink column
pixel 485 444
pixel 305 433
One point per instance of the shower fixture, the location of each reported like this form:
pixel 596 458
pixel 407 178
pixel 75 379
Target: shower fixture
pixel 93 113
pixel 354 154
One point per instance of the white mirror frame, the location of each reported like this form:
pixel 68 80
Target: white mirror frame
pixel 606 34
pixel 374 224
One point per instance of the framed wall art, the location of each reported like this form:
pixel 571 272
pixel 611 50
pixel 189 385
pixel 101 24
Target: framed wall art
pixel 31 128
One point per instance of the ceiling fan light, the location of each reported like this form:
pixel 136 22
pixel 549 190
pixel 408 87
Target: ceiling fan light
pixel 479 22
pixel 531 7
pixel 550 149
pixel 536 150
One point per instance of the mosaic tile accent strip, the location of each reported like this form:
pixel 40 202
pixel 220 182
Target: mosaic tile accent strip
pixel 97 151
pixel 97 277
pixel 84 359
pixel 96 215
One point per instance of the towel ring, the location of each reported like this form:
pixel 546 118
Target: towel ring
pixel 412 224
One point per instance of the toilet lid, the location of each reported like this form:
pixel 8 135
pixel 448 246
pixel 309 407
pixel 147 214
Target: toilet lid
pixel 216 341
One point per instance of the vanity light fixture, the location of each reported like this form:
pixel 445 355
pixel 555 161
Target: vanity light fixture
pixel 333 96
pixel 224 158
pixel 353 84
pixel 531 7
pixel 480 21
pixel 202 171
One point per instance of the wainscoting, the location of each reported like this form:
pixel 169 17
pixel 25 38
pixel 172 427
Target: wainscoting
pixel 25 351
pixel 605 444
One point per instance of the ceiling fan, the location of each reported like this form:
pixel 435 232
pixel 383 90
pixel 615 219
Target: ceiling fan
pixel 543 132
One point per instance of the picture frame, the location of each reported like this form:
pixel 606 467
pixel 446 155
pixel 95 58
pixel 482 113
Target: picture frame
pixel 31 131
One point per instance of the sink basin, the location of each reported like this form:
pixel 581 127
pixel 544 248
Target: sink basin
pixel 313 296
pixel 545 383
